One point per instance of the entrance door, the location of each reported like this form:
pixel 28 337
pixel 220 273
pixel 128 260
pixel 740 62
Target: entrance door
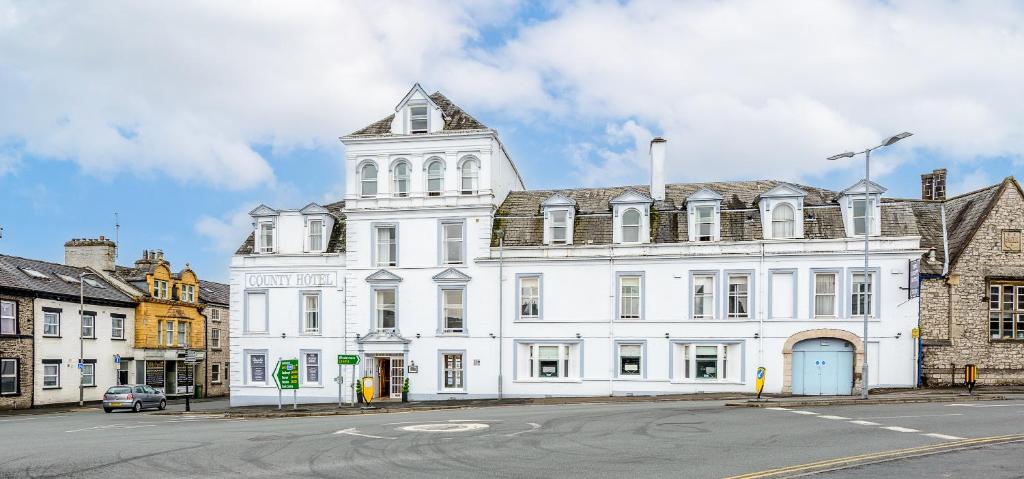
pixel 122 373
pixel 170 378
pixel 383 377
pixel 823 367
pixel 397 376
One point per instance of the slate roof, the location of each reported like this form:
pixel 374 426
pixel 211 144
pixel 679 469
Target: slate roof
pixel 455 119
pixel 335 244
pixel 211 292
pixel 14 278
pixel 964 215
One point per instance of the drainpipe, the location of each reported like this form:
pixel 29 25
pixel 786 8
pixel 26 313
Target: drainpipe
pixel 763 291
pixel 501 311
pixel 206 358
pixel 611 320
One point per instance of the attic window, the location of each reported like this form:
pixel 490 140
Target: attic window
pixel 68 279
pixel 35 274
pixel 92 282
pixel 418 119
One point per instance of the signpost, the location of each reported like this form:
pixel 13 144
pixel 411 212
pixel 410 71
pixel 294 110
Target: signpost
pixel 347 360
pixel 760 382
pixel 286 375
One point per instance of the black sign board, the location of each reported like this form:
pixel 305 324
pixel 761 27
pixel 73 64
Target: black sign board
pixel 155 374
pixel 258 368
pixel 915 279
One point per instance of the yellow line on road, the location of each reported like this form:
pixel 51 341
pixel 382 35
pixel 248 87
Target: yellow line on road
pixel 880 456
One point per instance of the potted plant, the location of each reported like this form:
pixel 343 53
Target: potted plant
pixel 405 390
pixel 359 392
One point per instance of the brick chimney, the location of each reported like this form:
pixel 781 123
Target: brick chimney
pixel 933 185
pixel 96 253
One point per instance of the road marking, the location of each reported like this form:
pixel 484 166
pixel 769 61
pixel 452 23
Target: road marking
pixel 983 405
pixel 900 429
pixel 865 423
pixel 943 436
pixel 111 426
pixel 877 457
pixel 807 413
pixel 776 409
pixel 907 417
pixel 354 432
pixel 836 418
pixel 445 427
pixel 533 427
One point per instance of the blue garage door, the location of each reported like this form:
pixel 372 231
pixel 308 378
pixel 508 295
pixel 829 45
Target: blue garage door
pixel 823 367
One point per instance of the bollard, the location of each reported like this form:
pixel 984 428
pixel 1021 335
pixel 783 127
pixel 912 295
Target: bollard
pixel 970 377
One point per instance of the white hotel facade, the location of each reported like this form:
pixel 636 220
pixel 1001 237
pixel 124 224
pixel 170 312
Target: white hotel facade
pixel 440 267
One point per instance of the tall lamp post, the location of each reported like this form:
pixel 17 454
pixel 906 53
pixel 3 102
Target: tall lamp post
pixel 867 233
pixel 81 337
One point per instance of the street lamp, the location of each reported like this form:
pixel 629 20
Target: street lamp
pixel 867 231
pixel 81 337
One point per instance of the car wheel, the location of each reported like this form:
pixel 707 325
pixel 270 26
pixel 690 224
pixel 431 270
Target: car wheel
pixel 107 410
pixel 163 404
pixel 137 407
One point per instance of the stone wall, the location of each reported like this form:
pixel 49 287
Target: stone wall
pixel 20 347
pixel 955 311
pixel 219 355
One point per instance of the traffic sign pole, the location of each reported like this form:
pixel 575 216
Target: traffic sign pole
pixel 351 360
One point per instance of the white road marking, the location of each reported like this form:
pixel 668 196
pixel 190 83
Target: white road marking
pixel 900 429
pixel 807 413
pixel 445 427
pixel 776 409
pixel 943 436
pixel 111 426
pixel 905 417
pixel 836 418
pixel 354 432
pixel 533 427
pixel 30 418
pixel 984 405
pixel 865 423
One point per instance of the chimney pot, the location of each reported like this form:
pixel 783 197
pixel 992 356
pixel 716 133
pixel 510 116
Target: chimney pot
pixel 657 153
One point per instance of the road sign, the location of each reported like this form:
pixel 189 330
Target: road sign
pixel 350 359
pixel 916 333
pixel 760 381
pixel 81 365
pixel 286 375
pixel 117 359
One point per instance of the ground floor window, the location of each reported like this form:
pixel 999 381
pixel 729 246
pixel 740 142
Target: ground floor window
pixel 88 374
pixel 257 363
pixel 1006 311
pixel 453 371
pixel 8 376
pixel 51 375
pixel 630 359
pixel 311 364
pixel 549 361
pixel 707 362
pixel 215 373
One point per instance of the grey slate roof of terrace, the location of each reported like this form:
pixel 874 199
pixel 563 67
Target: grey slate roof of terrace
pixel 335 244
pixel 13 277
pixel 455 119
pixel 211 292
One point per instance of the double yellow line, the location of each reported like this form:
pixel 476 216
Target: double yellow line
pixel 861 459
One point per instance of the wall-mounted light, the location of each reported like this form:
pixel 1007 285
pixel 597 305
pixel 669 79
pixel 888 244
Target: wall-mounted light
pixel 666 335
pixel 283 335
pixel 578 336
pixel 357 335
pixel 493 336
pixel 417 335
pixel 899 335
pixel 757 335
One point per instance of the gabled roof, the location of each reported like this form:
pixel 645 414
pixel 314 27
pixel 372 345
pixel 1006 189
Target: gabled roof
pixel 416 88
pixel 313 209
pixel 858 188
pixel 965 214
pixel 784 190
pixel 630 196
pixel 383 276
pixel 14 277
pixel 558 199
pixel 335 244
pixel 704 194
pixel 452 275
pixel 455 119
pixel 263 210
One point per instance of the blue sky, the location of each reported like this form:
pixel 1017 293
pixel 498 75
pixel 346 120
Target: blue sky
pixel 182 126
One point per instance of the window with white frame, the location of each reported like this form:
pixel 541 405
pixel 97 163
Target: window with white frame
pixel 703 296
pixel 215 314
pixel 182 334
pixel 419 119
pixel 529 297
pixel 215 373
pixel 631 226
pixel 453 310
pixel 88 374
pixel 386 251
pixel 549 361
pixel 169 333
pixel 1006 315
pixel 51 375
pixel 783 222
pixel 368 180
pixel 51 323
pixel 630 359
pixel 861 295
pixel 400 178
pixel 160 332
pixel 705 223
pixel 454 371
pixel 214 338
pixel 453 239
pixel 187 293
pixel 256 314
pixel 559 226
pixel 8 376
pixel 470 177
pixel 89 325
pixel 266 236
pixel 386 313
pixel 708 362
pixel 311 363
pixel 435 178
pixel 310 313
pixel 257 364
pixel 825 295
pixel 116 327
pixel 316 235
pixel 860 208
pixel 8 317
pixel 739 296
pixel 629 296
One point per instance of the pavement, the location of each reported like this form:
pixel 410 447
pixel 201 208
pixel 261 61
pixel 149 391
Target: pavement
pixel 611 439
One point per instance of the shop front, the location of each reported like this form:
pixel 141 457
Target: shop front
pixel 170 371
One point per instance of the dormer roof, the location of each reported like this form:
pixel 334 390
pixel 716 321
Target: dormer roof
pixel 858 189
pixel 416 93
pixel 783 190
pixel 631 196
pixel 558 199
pixel 704 194
pixel 313 209
pixel 263 210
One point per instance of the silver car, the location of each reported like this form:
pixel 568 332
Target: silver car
pixel 135 397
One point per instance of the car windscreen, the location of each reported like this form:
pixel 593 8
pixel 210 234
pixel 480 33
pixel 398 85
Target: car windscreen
pixel 117 390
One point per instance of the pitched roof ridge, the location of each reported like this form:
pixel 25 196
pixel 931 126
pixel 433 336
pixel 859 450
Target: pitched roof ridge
pixel 2 255
pixel 977 191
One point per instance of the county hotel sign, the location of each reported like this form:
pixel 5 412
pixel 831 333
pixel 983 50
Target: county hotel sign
pixel 290 280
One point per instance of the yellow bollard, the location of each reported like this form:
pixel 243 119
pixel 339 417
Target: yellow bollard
pixel 367 389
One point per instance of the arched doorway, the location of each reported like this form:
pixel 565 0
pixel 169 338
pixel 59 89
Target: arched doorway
pixel 790 365
pixel 823 367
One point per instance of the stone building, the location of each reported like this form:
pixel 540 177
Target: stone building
pixel 16 347
pixel 972 288
pixel 215 298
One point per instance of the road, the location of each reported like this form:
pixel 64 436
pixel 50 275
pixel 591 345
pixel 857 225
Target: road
pixel 658 439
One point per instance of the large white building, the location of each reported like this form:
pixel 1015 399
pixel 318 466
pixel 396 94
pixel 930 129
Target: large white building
pixel 440 267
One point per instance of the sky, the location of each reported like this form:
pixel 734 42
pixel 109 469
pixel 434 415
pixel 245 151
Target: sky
pixel 182 116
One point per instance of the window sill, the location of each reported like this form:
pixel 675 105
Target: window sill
pixel 88 337
pixel 9 394
pixel 452 391
pixel 48 388
pixel 310 335
pixel 453 335
pixel 88 386
pixel 118 339
pixel 630 378
pixel 1007 341
pixel 550 380
pixel 705 381
pixel 216 382
pixel 54 337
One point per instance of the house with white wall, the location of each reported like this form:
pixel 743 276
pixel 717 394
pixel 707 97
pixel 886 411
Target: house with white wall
pixel 443 269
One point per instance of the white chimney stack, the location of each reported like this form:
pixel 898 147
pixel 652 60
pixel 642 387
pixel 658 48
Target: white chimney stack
pixel 658 168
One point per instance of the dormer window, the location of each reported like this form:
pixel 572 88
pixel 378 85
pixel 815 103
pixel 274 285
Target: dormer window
pixel 783 222
pixel 558 211
pixel 160 289
pixel 559 226
pixel 631 217
pixel 470 176
pixel 418 119
pixel 435 177
pixel 862 209
pixel 631 226
pixel 782 212
pixel 266 237
pixel 859 216
pixel 401 179
pixel 316 235
pixel 368 179
pixel 705 223
pixel 187 293
pixel 703 209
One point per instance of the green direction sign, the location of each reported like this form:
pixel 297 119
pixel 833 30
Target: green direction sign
pixel 349 359
pixel 287 374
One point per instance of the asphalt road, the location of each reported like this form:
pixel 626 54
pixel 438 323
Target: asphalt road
pixel 659 439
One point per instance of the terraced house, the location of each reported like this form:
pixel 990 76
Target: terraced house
pixel 441 268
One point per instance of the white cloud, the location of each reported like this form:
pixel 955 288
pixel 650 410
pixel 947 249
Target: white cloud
pixel 226 233
pixel 974 180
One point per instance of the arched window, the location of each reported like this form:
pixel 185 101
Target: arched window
pixel 470 176
pixel 783 224
pixel 435 178
pixel 631 226
pixel 400 175
pixel 368 177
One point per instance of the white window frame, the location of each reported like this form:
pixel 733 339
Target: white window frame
pixel 115 320
pixel 469 173
pixel 398 180
pixel 88 325
pixel 215 338
pixel 749 294
pixel 392 246
pixel 632 227
pixel 251 325
pixel 10 318
pixel 641 360
pixel 16 376
pixel 685 359
pixel 183 330
pixel 621 314
pixel 47 323
pixel 304 365
pixel 378 311
pixel 215 373
pixel 187 293
pixel 712 294
pixel 161 289
pixel 425 118
pixel 366 183
pixel 539 278
pixel 563 368
pixel 215 314
pixel 318 237
pixel 863 217
pixel 445 240
pixel 698 222
pixel 266 230
pixel 456 370
pixel 562 226
pixel 55 376
pixel 784 223
pixel 459 307
pixel 438 177
pixel 316 327
pixel 835 294
pixel 89 371
pixel 872 292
